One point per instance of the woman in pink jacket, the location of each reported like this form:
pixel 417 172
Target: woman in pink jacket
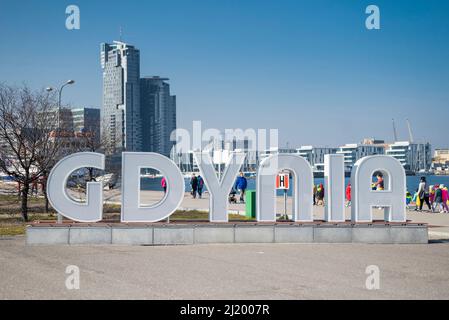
pixel 164 184
pixel 445 196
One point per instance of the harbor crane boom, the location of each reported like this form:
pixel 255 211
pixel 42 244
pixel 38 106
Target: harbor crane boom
pixel 410 134
pixel 394 131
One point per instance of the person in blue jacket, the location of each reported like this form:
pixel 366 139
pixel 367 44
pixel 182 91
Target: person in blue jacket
pixel 241 185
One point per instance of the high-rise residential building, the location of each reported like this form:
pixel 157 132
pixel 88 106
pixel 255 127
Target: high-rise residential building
pixel 158 114
pixel 138 114
pixel 120 63
pixel 414 157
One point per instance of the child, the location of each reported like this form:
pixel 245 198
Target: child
pixel 416 200
pixel 432 194
pixel 438 199
pixel 348 195
pixel 408 199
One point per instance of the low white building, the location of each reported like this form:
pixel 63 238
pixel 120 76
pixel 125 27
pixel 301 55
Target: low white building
pixel 315 155
pixel 353 152
pixel 274 150
pixel 414 157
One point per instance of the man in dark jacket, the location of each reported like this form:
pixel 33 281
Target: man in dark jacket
pixel 200 186
pixel 194 184
pixel 241 185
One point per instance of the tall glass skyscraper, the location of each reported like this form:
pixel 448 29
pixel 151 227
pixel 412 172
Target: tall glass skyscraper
pixel 158 114
pixel 137 114
pixel 121 97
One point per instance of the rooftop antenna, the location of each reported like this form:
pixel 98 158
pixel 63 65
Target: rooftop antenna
pixel 394 131
pixel 410 134
pixel 120 33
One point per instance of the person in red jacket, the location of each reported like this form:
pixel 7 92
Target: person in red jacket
pixel 348 195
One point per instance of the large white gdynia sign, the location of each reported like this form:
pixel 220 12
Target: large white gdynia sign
pixel 364 199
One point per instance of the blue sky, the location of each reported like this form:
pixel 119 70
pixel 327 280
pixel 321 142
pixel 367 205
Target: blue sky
pixel 309 68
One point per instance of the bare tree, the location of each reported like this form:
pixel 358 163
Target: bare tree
pixel 63 143
pixel 28 136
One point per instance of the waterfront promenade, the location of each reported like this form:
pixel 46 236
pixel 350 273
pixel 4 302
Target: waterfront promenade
pixel 245 271
pixel 224 271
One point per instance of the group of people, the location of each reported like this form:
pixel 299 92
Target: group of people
pixel 318 190
pixel 436 197
pixel 197 185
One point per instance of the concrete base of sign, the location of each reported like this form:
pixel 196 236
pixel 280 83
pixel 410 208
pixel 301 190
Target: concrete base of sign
pixel 178 233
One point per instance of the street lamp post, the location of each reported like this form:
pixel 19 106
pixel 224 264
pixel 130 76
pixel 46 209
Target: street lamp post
pixel 59 116
pixel 59 98
pixel 59 101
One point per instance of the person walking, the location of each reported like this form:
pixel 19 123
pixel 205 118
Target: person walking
pixel 348 195
pixel 194 185
pixel 431 195
pixel 317 194
pixel 423 194
pixel 438 199
pixel 164 184
pixel 241 185
pixel 320 195
pixel 200 186
pixel 416 200
pixel 445 194
pixel 408 199
pixel 314 194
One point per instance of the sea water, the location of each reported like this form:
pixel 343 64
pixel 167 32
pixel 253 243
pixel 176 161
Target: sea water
pixel 154 184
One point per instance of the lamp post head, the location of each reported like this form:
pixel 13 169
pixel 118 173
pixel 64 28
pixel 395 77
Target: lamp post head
pixel 70 81
pixel 48 89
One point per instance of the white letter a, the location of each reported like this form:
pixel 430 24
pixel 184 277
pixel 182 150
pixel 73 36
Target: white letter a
pixel 73 20
pixel 373 20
